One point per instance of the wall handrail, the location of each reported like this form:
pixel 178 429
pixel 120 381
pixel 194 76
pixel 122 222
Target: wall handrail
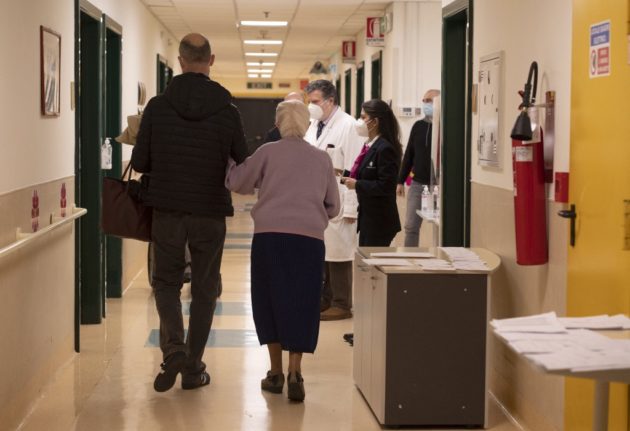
pixel 22 239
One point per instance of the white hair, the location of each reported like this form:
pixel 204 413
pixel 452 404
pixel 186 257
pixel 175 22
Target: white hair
pixel 292 119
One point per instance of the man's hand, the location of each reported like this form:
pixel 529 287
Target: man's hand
pixel 351 183
pixel 400 190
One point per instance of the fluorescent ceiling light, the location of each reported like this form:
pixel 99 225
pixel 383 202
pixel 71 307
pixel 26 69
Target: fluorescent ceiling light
pixel 265 75
pixel 265 23
pixel 262 42
pixel 252 75
pixel 257 64
pixel 259 71
pixel 261 54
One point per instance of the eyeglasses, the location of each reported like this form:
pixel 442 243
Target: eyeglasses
pixel 427 100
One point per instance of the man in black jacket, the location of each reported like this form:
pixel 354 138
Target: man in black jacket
pixel 184 142
pixel 417 158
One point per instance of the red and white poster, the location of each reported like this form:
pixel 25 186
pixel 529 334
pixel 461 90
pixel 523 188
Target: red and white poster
pixel 373 35
pixel 349 51
pixel 599 50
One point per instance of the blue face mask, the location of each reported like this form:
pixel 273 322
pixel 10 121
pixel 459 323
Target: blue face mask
pixel 427 108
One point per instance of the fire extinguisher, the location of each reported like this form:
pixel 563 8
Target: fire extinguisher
pixel 530 203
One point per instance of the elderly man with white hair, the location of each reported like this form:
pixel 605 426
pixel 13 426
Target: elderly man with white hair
pixel 297 196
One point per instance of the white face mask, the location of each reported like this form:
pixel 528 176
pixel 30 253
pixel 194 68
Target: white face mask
pixel 315 111
pixel 362 128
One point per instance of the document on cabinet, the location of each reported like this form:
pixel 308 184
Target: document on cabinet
pixel 434 264
pixel 546 323
pixel 402 254
pixel 387 262
pixel 604 321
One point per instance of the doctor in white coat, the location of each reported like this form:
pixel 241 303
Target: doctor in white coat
pixel 334 131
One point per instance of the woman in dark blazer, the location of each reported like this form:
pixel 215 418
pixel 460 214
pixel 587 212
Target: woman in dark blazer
pixel 374 175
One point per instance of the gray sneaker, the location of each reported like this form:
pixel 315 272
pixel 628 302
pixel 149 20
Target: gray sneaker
pixel 272 383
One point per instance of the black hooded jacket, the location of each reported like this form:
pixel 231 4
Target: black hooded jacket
pixel 185 139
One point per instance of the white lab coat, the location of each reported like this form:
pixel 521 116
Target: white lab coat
pixel 340 237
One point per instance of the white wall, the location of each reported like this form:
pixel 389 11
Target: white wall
pixel 34 149
pixel 498 25
pixel 37 149
pixel 412 57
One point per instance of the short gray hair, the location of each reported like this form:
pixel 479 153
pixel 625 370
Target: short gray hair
pixel 292 119
pixel 195 53
pixel 326 87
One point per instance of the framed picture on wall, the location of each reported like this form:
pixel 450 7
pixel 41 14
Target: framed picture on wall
pixel 50 57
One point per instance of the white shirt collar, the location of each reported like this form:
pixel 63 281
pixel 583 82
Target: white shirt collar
pixel 369 143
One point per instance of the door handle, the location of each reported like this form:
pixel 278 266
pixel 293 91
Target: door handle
pixel 570 214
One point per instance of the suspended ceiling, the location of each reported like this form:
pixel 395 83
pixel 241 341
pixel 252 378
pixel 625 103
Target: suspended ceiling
pixel 315 29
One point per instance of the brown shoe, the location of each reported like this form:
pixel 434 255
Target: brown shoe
pixel 335 313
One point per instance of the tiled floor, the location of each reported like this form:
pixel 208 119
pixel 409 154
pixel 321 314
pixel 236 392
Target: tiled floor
pixel 109 386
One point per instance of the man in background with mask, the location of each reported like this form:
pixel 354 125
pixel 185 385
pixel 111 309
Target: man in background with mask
pixel 334 131
pixel 417 157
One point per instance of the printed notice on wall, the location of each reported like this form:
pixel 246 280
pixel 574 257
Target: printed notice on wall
pixel 599 64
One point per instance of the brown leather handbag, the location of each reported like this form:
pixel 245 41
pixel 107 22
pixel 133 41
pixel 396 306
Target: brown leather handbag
pixel 122 212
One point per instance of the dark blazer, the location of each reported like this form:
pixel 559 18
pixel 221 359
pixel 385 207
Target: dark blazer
pixel 418 154
pixel 376 190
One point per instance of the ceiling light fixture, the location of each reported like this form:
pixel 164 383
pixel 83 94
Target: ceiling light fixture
pixel 264 23
pixel 262 42
pixel 265 75
pixel 261 54
pixel 260 64
pixel 252 75
pixel 259 71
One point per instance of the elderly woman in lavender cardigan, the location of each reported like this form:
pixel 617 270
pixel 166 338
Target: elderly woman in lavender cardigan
pixel 297 196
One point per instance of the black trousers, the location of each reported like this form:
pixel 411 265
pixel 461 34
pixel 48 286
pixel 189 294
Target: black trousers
pixel 205 237
pixel 375 239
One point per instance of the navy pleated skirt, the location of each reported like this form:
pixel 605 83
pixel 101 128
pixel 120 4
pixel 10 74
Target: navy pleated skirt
pixel 286 287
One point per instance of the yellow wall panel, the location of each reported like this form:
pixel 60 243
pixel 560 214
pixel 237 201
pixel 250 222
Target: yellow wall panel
pixel 598 267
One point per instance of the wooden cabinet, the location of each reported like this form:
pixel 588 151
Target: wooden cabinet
pixel 420 345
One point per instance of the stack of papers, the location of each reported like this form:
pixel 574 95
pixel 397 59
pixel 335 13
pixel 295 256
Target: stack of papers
pixel 541 323
pixel 402 254
pixel 434 264
pixel 465 259
pixel 387 262
pixel 548 342
pixel 603 321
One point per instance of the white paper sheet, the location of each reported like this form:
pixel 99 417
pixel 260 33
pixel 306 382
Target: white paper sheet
pixel 387 262
pixel 402 254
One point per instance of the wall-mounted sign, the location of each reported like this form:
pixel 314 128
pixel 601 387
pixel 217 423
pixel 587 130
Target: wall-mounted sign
pixel 599 52
pixel 373 34
pixel 349 51
pixel 259 86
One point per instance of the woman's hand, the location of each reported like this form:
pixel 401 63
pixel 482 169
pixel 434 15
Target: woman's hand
pixel 351 183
